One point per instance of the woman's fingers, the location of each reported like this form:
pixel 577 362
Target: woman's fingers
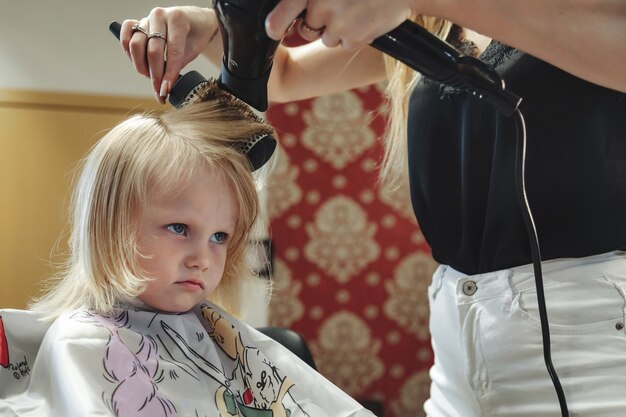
pixel 179 38
pixel 162 43
pixel 137 46
pixel 351 24
pixel 157 41
pixel 126 32
pixel 280 19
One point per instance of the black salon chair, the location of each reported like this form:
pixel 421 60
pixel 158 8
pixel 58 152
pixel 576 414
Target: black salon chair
pixel 292 340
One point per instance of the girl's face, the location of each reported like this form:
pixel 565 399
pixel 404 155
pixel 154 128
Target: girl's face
pixel 184 236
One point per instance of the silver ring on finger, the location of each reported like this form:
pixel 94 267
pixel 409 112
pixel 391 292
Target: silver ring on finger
pixel 317 31
pixel 156 35
pixel 137 28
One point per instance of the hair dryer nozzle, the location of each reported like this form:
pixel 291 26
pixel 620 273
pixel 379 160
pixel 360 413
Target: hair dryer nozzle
pixel 252 91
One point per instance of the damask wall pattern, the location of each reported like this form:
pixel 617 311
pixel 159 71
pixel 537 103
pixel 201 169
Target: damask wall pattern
pixel 351 267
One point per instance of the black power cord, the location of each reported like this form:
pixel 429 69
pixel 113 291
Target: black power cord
pixel 520 185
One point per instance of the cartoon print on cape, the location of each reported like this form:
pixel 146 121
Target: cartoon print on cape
pixel 135 372
pixel 253 385
pixel 248 383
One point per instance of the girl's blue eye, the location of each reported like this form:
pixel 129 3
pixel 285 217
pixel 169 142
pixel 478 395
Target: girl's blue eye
pixel 177 228
pixel 219 237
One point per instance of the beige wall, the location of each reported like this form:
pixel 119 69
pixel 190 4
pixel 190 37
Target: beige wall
pixel 65 45
pixel 42 137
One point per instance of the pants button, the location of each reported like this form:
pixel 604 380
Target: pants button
pixel 469 287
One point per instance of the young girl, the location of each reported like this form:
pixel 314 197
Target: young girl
pixel 162 214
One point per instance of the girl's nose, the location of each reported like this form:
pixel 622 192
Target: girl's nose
pixel 199 257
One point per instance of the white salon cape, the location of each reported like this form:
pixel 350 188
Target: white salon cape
pixel 203 363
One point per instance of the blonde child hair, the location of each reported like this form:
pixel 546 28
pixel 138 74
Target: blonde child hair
pixel 115 180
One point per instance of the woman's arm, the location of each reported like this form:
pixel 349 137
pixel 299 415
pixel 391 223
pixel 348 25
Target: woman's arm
pixel 584 37
pixel 313 70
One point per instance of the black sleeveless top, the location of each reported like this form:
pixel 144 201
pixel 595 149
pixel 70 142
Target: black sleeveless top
pixel 462 161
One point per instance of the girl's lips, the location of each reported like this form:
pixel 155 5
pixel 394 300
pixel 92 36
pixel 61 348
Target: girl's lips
pixel 192 284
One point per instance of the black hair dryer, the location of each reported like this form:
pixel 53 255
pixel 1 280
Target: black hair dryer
pixel 249 52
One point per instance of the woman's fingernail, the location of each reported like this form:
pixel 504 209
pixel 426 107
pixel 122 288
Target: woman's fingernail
pixel 165 86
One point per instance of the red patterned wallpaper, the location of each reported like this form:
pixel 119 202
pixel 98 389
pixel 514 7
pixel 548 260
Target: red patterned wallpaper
pixel 351 267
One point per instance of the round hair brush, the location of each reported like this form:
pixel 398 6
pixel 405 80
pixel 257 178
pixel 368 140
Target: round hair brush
pixel 193 87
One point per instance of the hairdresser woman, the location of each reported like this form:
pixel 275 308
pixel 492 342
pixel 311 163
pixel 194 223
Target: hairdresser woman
pixel 567 60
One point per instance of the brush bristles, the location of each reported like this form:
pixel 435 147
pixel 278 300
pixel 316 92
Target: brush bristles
pixel 233 109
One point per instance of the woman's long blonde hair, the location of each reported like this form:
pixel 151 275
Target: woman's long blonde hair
pixel 401 80
pixel 115 180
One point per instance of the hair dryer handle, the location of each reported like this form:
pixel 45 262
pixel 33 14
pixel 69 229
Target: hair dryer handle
pixel 248 51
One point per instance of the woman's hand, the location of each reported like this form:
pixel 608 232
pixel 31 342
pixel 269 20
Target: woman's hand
pixel 179 35
pixel 349 23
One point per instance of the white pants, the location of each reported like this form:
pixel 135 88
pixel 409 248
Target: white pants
pixel 488 346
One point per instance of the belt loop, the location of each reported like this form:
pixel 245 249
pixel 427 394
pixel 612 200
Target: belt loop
pixel 438 280
pixel 510 291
